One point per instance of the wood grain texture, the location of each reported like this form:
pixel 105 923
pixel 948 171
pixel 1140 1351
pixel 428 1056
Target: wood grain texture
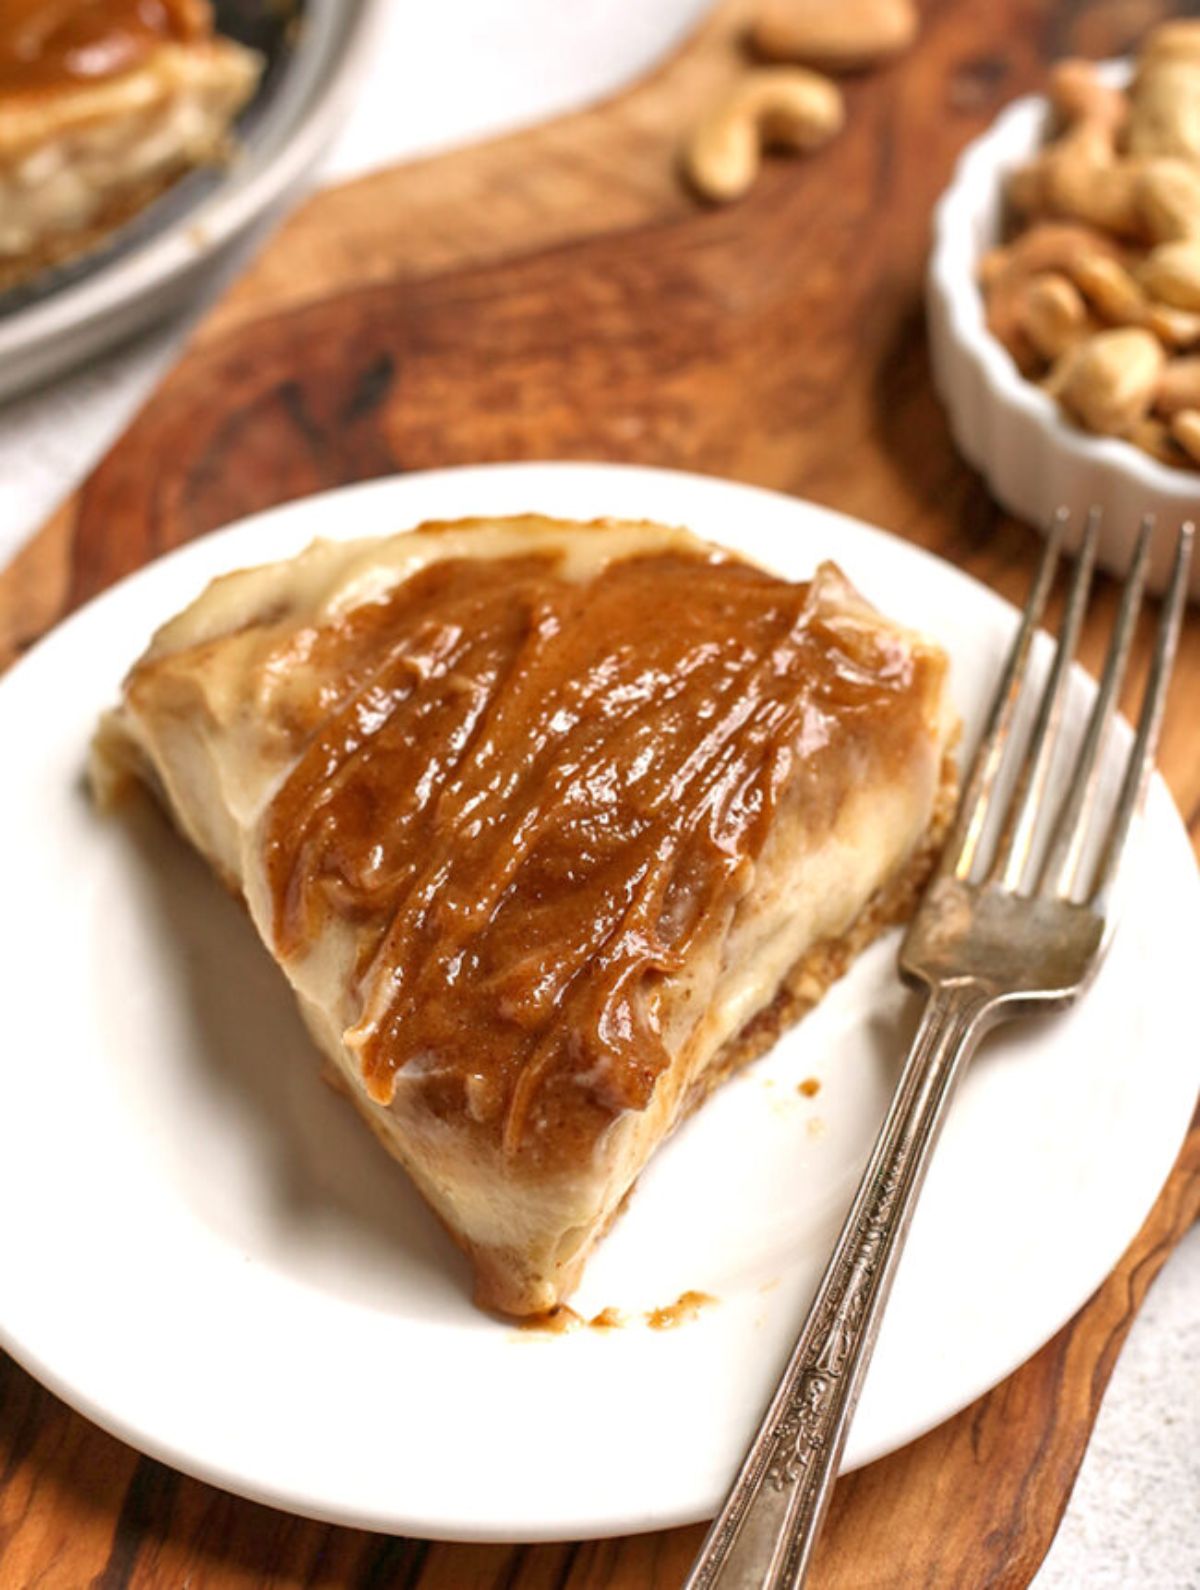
pixel 558 294
pixel 974 1503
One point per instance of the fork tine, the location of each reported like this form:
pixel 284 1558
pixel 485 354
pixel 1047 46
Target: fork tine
pixel 962 842
pixel 1065 849
pixel 1145 745
pixel 1016 838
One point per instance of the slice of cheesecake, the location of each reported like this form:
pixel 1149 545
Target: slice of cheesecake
pixel 103 103
pixel 550 826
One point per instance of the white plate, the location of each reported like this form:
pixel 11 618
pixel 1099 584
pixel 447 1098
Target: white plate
pixel 206 1252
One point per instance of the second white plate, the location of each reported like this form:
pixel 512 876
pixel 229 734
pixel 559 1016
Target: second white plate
pixel 208 1254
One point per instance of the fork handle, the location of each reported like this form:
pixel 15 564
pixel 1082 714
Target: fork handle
pixel 764 1536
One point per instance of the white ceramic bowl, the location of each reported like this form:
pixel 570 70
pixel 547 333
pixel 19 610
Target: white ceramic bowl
pixel 1033 459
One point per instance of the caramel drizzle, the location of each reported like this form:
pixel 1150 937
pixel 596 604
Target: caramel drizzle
pixel 533 794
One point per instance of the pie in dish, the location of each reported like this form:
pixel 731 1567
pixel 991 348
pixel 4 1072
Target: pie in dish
pixel 103 103
pixel 550 826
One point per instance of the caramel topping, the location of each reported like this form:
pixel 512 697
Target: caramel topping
pixel 531 795
pixel 563 1320
pixel 56 43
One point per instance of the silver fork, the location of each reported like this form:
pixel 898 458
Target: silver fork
pixel 1006 928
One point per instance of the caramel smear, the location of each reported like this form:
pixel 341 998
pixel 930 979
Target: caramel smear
pixel 55 44
pixel 564 1320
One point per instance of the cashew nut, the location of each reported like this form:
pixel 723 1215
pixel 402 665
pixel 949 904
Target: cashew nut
pixel 1166 196
pixel 1153 437
pixel 1053 314
pixel 1088 108
pixel 1079 174
pixel 1104 285
pixel 1104 195
pixel 1180 39
pixel 1174 328
pixel 1185 428
pixel 1108 382
pixel 1109 287
pixel 1178 387
pixel 1121 163
pixel 776 107
pixel 1006 306
pixel 1046 246
pixel 1006 273
pixel 1164 97
pixel 836 35
pixel 1171 273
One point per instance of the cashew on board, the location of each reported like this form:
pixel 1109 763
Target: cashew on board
pixel 835 35
pixel 776 107
pixel 793 107
pixel 1096 292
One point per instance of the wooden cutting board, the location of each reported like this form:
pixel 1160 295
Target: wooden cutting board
pixel 558 294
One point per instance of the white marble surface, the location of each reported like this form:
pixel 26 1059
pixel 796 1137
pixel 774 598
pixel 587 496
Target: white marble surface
pixel 462 72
